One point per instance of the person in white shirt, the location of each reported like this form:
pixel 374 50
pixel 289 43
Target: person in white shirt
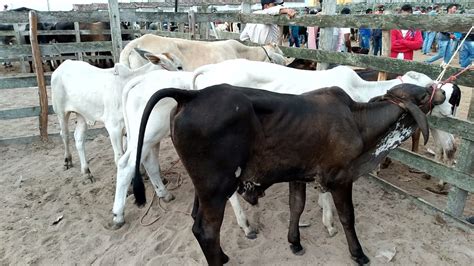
pixel 266 33
pixel 342 36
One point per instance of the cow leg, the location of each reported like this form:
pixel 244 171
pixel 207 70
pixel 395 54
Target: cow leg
pixel 115 135
pixel 125 170
pixel 152 167
pixel 324 202
pixel 342 194
pixel 80 137
pixel 206 229
pixel 63 119
pixel 241 218
pixel 297 202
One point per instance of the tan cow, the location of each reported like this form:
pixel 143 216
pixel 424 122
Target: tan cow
pixel 194 54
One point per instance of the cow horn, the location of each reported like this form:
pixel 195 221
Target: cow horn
pixel 420 119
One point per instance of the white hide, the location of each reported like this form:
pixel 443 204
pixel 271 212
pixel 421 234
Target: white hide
pixel 94 94
pixel 194 54
pixel 135 97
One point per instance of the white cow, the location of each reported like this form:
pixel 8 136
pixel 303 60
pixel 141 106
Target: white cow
pixel 281 79
pixel 135 96
pixel 94 94
pixel 194 54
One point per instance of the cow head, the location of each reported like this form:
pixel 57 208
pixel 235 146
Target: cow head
pixel 167 61
pixel 449 106
pixel 416 100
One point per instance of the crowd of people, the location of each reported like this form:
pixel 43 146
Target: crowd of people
pixel 403 41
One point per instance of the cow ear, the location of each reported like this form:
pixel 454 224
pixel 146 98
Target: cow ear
pixel 154 59
pixel 420 119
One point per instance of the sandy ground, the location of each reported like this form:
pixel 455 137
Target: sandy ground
pixel 35 191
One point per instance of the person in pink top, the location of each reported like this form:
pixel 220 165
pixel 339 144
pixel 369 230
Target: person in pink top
pixel 405 42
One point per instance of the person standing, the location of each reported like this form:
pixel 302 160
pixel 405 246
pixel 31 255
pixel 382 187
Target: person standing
pixel 444 41
pixel 266 33
pixel 377 34
pixel 294 37
pixel 365 34
pixel 429 35
pixel 466 54
pixel 405 42
pixel 342 36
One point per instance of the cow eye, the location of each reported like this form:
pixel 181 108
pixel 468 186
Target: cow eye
pixel 180 68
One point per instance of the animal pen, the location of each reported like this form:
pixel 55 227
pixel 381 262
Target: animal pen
pixel 461 176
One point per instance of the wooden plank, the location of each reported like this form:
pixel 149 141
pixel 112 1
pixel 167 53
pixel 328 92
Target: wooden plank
pixel 456 126
pixel 442 22
pixel 114 16
pixel 434 168
pixel 25 112
pixel 43 93
pixel 378 63
pixel 423 204
pixel 58 48
pixel 457 195
pixel 7 82
pixel 55 16
pixel 90 134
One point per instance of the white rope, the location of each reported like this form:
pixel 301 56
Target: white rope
pixel 445 66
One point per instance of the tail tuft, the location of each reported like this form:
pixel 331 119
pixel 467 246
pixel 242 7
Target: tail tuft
pixel 139 191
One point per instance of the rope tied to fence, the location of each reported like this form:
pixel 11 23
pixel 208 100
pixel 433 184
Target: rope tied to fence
pixel 445 66
pixel 179 182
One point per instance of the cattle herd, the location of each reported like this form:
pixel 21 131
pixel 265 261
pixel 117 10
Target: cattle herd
pixel 242 121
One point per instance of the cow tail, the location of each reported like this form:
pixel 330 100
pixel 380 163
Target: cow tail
pixel 181 96
pixel 125 54
pixel 196 73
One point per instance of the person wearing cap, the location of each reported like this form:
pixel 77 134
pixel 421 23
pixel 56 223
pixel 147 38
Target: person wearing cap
pixel 405 42
pixel 266 33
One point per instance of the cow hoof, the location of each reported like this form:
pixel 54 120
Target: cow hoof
pixel 332 231
pixel 297 249
pixel 224 258
pixel 251 235
pixel 363 260
pixel 168 197
pixel 115 226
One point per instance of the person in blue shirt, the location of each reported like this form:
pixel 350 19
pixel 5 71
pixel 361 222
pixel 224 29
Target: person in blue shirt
pixel 365 33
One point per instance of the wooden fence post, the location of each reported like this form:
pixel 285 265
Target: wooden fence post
pixel 20 40
pixel 192 24
pixel 386 43
pixel 457 197
pixel 115 30
pixel 78 39
pixel 43 94
pixel 326 34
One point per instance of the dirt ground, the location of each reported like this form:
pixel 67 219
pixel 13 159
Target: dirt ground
pixel 37 192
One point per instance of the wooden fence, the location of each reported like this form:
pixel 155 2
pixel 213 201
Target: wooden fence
pixel 460 177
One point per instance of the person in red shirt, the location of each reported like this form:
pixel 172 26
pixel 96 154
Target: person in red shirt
pixel 404 42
